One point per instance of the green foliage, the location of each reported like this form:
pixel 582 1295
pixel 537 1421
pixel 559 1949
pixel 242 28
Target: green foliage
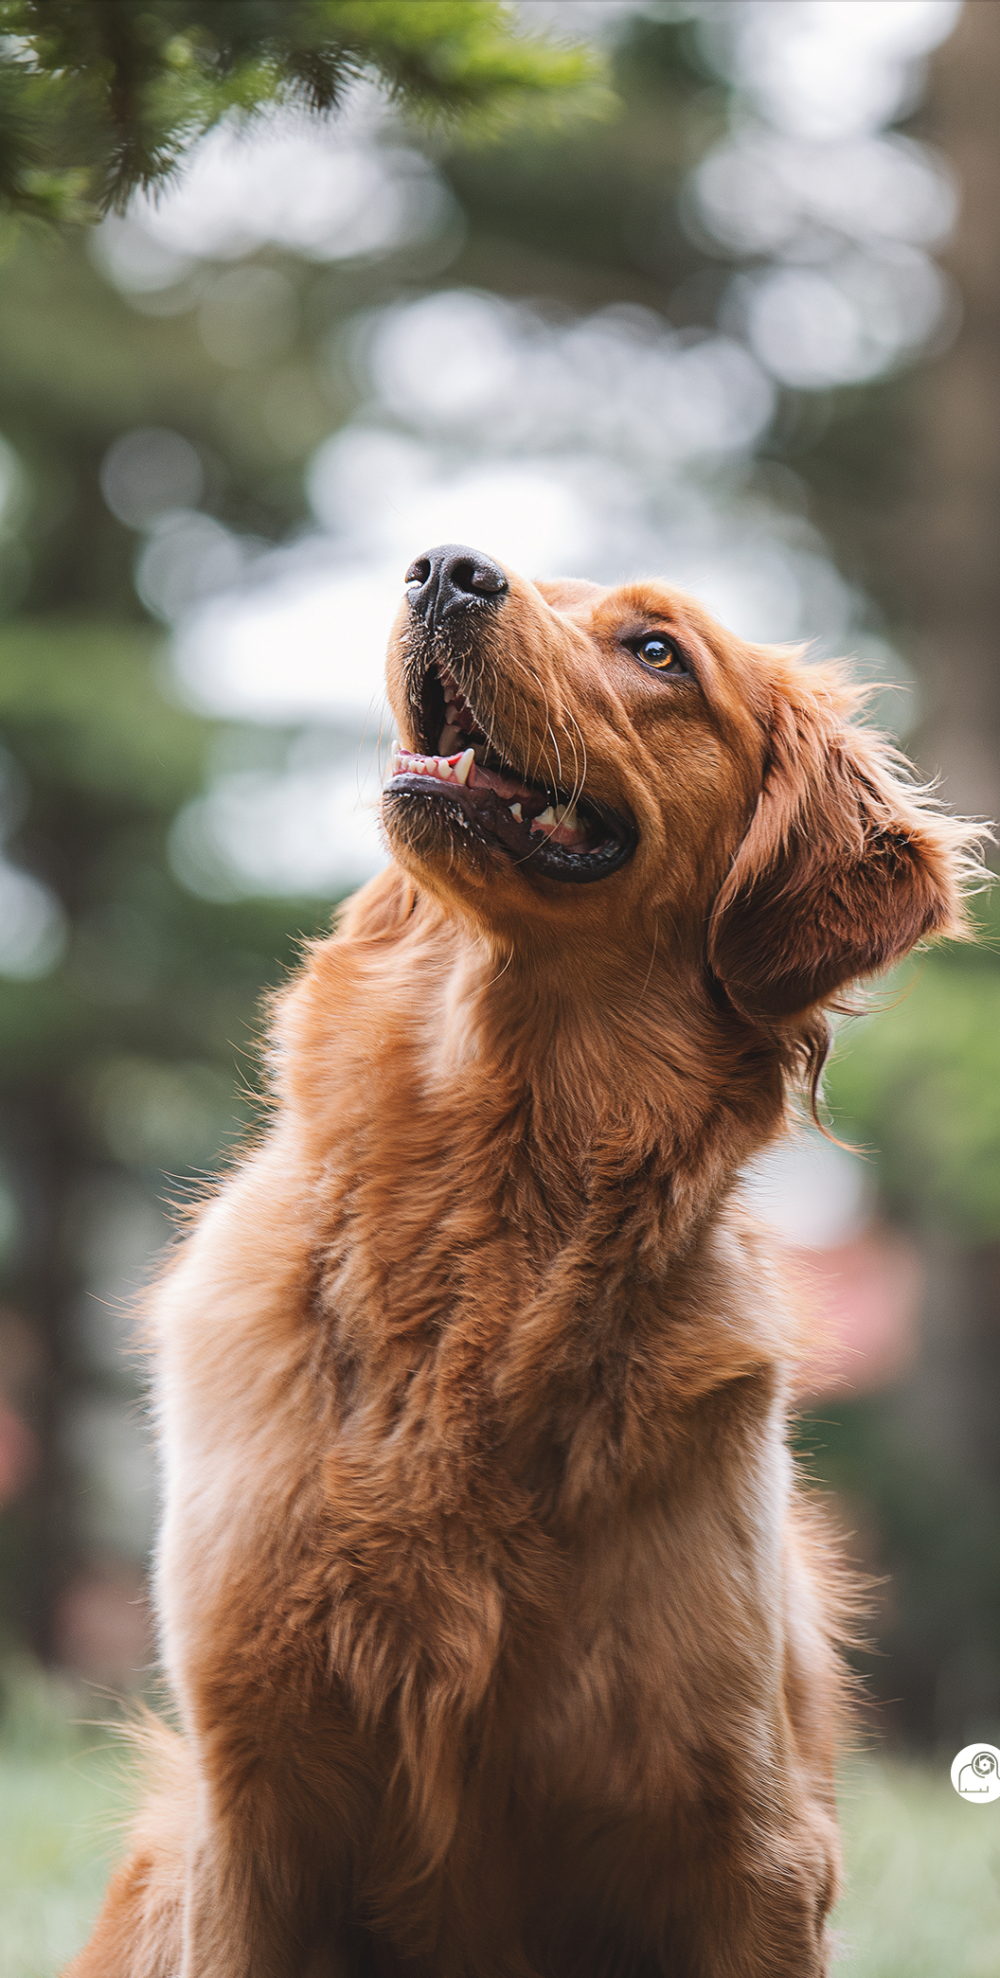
pixel 84 703
pixel 99 97
pixel 31 109
pixel 117 1068
pixel 149 968
pixel 928 1518
pixel 920 1081
pixel 597 211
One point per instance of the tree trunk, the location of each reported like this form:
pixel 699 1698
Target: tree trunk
pixel 949 544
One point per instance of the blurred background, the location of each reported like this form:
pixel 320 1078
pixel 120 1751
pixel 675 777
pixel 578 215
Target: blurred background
pixel 743 331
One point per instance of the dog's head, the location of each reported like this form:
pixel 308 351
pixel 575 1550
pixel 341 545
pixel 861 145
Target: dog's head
pixel 600 769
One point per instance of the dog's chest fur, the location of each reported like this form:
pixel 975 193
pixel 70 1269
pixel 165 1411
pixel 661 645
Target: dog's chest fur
pixel 501 1397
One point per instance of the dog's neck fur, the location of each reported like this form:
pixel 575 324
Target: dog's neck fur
pixel 513 1171
pixel 574 1080
pixel 518 1191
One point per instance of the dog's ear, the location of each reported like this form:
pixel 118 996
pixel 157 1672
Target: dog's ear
pixel 843 868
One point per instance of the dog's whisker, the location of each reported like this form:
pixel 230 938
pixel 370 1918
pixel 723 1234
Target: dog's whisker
pixel 377 746
pixel 533 765
pixel 583 749
pixel 642 993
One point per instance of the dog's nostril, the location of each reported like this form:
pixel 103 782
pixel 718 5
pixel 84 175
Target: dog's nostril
pixel 479 576
pixel 449 578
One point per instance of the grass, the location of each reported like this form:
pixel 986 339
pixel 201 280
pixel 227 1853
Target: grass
pixel 923 1867
pixel 60 1794
pixel 923 1875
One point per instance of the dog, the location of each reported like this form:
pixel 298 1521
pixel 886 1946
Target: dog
pixel 503 1638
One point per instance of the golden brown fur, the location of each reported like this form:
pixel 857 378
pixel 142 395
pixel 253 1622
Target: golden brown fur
pixel 500 1636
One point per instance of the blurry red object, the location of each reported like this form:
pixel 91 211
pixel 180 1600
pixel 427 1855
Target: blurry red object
pixel 863 1299
pixel 18 1453
pixel 103 1628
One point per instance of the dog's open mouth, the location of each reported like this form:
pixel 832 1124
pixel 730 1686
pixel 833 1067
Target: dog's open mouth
pixel 560 833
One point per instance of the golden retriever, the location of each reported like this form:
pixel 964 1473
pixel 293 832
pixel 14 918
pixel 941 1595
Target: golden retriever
pixel 501 1635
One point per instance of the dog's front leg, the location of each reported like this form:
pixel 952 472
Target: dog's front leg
pixel 768 1925
pixel 243 1915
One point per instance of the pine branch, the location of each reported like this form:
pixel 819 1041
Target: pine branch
pixel 110 96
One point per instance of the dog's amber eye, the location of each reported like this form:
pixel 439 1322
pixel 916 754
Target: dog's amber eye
pixel 659 652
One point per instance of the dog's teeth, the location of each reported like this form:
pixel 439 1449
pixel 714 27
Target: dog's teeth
pixel 450 739
pixel 565 814
pixel 443 767
pixel 547 817
pixel 515 811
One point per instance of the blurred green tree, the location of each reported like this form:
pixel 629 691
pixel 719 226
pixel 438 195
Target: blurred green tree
pixel 907 484
pixel 119 1062
pixel 101 97
pixel 119 1045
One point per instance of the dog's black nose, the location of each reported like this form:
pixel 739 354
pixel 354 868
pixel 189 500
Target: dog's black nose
pixel 448 579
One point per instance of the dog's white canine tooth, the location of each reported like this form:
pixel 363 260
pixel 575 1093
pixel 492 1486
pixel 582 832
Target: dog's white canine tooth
pixel 547 817
pixel 515 811
pixel 463 765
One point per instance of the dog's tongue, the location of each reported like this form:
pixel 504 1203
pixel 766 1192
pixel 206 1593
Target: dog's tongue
pixel 529 807
pixel 506 787
pixel 557 822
